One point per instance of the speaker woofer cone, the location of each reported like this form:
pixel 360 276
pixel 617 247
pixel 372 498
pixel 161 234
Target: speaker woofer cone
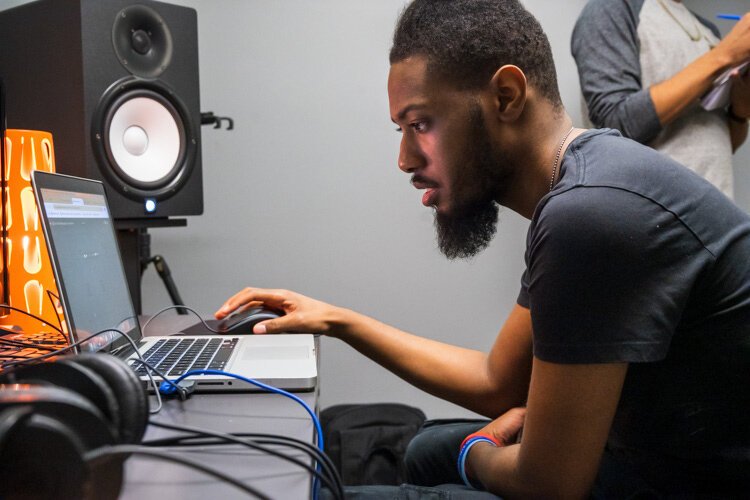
pixel 143 137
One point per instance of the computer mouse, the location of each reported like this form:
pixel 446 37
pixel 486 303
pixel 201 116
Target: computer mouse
pixel 242 323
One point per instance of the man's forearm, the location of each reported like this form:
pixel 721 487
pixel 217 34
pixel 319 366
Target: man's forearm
pixel 452 373
pixel 498 471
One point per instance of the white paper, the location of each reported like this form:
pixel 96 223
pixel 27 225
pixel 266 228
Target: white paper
pixel 718 96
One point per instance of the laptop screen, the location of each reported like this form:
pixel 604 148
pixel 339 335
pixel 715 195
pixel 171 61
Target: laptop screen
pixel 86 257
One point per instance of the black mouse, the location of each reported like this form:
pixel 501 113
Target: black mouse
pixel 241 323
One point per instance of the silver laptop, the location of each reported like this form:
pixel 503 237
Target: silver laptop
pixel 94 293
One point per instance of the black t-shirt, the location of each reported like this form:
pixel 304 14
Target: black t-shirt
pixel 634 258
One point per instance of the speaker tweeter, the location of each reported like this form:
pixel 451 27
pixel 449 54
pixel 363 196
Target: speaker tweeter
pixel 142 41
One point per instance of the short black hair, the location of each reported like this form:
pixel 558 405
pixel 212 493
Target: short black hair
pixel 466 41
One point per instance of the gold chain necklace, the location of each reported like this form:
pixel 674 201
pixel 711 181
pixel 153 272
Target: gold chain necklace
pixel 557 158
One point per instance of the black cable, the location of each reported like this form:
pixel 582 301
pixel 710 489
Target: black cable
pixel 298 443
pixel 58 329
pixel 334 484
pixel 151 367
pixel 28 345
pixel 332 479
pixel 276 439
pixel 128 449
pixel 308 448
pixel 200 318
pixel 185 308
pixel 71 347
pixel 250 444
pixel 201 441
pixel 14 356
pixel 193 441
pixel 52 298
pixel 41 320
pixel 5 296
pixel 37 359
pixel 183 392
pixel 31 361
pixel 62 350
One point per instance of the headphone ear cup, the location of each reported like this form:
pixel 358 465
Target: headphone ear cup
pixel 127 388
pixel 79 379
pixel 44 433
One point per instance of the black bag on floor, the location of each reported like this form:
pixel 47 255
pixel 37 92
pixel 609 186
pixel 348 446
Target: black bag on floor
pixel 366 442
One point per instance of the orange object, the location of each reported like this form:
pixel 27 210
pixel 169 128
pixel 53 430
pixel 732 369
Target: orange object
pixel 31 284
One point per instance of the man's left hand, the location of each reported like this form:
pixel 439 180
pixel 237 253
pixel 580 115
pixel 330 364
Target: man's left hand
pixel 507 426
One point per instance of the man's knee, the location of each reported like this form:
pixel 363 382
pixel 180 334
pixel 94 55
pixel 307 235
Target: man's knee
pixel 430 457
pixel 417 450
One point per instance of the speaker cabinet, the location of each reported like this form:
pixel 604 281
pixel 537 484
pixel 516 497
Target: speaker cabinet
pixel 116 82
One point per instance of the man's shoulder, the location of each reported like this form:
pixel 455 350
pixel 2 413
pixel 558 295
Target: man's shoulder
pixel 596 10
pixel 597 211
pixel 617 187
pixel 604 158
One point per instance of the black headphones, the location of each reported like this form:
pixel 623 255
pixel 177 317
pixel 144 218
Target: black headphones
pixel 52 413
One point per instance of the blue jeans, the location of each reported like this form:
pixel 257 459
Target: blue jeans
pixel 430 460
pixel 432 473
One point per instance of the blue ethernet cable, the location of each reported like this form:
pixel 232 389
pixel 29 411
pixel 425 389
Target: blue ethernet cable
pixel 168 387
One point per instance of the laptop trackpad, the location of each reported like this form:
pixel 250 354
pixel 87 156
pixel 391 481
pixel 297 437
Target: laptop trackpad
pixel 254 352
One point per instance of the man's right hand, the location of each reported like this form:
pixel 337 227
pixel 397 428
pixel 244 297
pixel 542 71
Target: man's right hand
pixel 301 314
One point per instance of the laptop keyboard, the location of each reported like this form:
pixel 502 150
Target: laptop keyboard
pixel 175 357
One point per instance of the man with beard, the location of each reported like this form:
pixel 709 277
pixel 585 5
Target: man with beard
pixel 626 357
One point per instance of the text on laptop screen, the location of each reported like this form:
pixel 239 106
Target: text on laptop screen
pixel 89 265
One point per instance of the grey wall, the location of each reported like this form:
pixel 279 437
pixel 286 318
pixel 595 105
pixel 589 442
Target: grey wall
pixel 305 193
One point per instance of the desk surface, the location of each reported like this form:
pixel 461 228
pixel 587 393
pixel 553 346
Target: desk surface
pixel 147 478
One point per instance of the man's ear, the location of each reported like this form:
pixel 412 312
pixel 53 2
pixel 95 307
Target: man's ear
pixel 508 86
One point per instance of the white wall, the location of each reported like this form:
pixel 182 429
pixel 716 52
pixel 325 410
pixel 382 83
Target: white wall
pixel 305 193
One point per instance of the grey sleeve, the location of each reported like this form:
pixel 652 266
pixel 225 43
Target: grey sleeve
pixel 606 50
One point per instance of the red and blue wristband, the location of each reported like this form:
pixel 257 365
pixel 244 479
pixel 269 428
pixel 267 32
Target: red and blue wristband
pixel 466 445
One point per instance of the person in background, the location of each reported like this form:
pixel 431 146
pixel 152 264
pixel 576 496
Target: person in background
pixel 626 355
pixel 643 66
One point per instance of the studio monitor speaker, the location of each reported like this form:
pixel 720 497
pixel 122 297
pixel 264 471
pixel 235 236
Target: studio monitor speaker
pixel 116 82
